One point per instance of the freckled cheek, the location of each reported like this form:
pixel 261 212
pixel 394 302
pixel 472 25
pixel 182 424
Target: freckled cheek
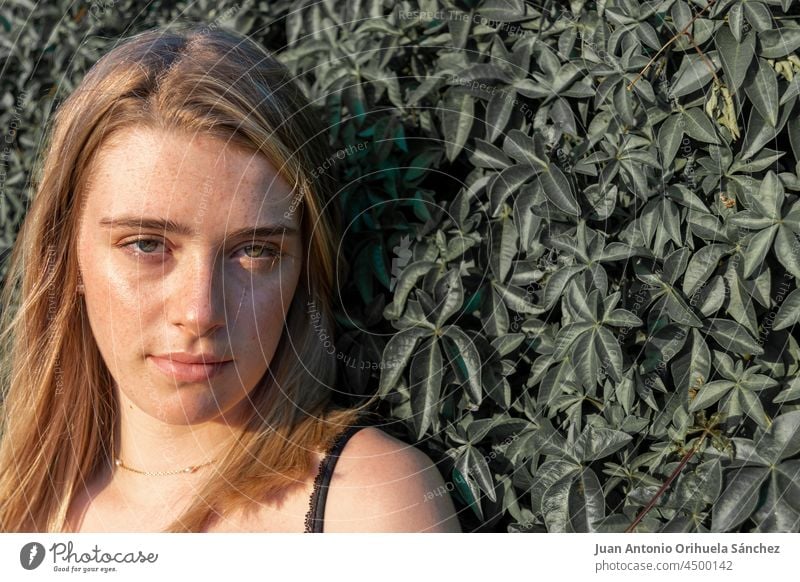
pixel 122 292
pixel 264 320
pixel 116 330
pixel 270 305
pixel 108 285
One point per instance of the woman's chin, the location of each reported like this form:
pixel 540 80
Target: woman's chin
pixel 184 409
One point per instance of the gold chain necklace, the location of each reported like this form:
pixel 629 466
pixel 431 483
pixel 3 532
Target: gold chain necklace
pixel 189 469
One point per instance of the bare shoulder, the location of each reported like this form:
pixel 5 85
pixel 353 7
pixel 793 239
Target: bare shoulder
pixel 382 484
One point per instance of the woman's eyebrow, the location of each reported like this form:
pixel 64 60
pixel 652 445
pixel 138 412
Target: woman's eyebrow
pixel 167 225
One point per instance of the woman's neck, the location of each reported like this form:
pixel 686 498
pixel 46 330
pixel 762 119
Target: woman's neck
pixel 153 445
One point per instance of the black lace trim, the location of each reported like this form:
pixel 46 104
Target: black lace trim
pixel 315 494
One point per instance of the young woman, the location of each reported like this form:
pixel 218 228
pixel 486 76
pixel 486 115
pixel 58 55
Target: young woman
pixel 161 371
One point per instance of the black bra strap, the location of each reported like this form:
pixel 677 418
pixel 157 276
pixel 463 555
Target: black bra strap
pixel 316 511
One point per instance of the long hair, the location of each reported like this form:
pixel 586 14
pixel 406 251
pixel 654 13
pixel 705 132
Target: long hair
pixel 58 410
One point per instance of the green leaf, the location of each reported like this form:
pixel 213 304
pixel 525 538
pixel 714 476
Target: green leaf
pixel 739 498
pixel 766 158
pixel 751 220
pixel 681 15
pixel 753 408
pixel 618 251
pixel 555 506
pixel 678 309
pixel 782 440
pixel 596 443
pixel 585 360
pixel 692 369
pixel 609 352
pixel 498 112
pixel 792 392
pixel 458 115
pixel 779 42
pixel 793 90
pixel 776 514
pixel 740 304
pixel 420 165
pixel 523 148
pixel 622 318
pixel 449 295
pixel 789 311
pixel 735 56
pixel 732 336
pixel 558 190
pixel 396 354
pixel 517 299
pixel 758 15
pixel 508 343
pixel 550 471
pixel 625 393
pixel 425 385
pixel 471 357
pixel 425 87
pixel 503 246
pixel 623 105
pixel 669 138
pixel 693 74
pixel 788 477
pixel 587 504
pixel 698 126
pixel 407 281
pixel 724 365
pixel 494 314
pixel 459 29
pixel 709 394
pixel 507 182
pixel 762 90
pixel 701 265
pixel 502 10
pixel 584 307
pixel 681 194
pixel 757 248
pixel 786 250
pixel 663 344
pixel 792 218
pixel 746 453
pixel 556 283
pixel 472 464
pixel 469 492
pixel 567 336
pixel 735 18
pixel 759 133
pixel 675 265
pixel 486 155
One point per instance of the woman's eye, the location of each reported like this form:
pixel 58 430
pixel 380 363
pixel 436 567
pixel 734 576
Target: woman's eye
pixel 262 251
pixel 257 251
pixel 145 241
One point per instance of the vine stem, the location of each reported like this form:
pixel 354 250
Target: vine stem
pixel 669 42
pixel 666 485
pixel 708 63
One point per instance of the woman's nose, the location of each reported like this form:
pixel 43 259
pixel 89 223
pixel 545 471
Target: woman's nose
pixel 198 302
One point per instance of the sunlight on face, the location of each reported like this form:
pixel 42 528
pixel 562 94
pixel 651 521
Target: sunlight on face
pixel 172 262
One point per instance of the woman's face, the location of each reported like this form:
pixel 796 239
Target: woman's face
pixel 172 263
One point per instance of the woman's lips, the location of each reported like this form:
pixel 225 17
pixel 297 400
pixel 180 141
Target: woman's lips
pixel 188 372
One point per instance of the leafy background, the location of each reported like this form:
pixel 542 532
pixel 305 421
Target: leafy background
pixel 572 232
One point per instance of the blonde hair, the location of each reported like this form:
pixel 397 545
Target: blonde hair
pixel 58 411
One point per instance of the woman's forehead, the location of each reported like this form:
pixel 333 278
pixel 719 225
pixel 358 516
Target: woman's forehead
pixel 159 173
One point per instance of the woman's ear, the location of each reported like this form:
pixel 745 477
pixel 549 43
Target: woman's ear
pixel 80 284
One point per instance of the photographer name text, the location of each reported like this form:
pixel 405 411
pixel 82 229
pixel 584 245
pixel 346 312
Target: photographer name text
pixel 694 548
